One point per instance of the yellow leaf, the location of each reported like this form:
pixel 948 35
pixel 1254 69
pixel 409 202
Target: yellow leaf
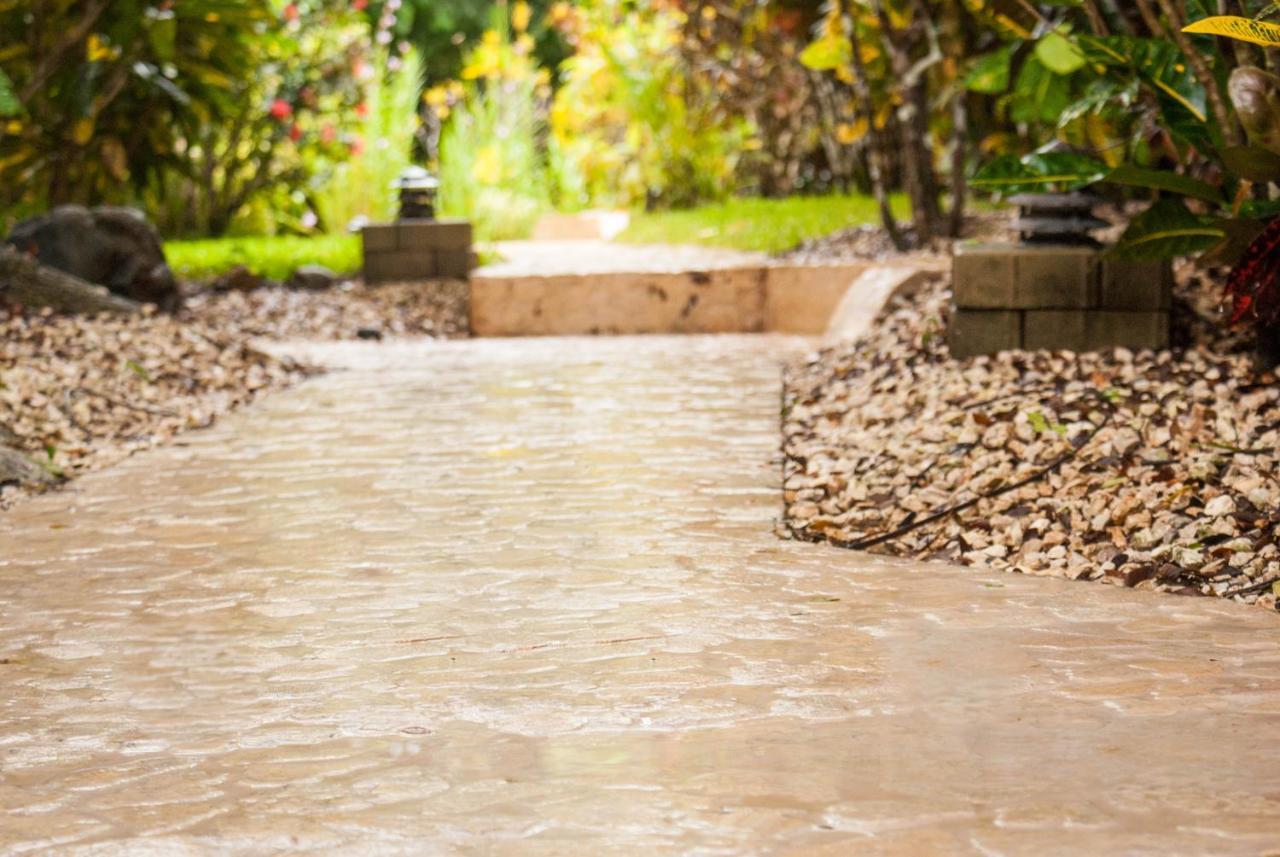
pixel 1241 29
pixel 96 49
pixel 520 16
pixel 82 131
pixel 115 159
pixel 488 166
pixel 850 133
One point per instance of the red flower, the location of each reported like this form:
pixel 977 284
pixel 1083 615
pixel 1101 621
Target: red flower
pixel 359 5
pixel 328 134
pixel 295 133
pixel 362 110
pixel 281 109
pixel 291 12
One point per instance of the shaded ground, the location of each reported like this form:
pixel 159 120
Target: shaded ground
pixel 80 393
pixel 1150 470
pixel 522 598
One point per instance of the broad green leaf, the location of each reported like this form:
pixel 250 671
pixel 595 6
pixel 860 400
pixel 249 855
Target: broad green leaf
pixel 9 104
pixel 1159 63
pixel 1241 29
pixel 1040 172
pixel 990 73
pixel 1164 180
pixel 1040 96
pixel 1059 54
pixel 1252 162
pixel 829 52
pixel 1239 234
pixel 1167 230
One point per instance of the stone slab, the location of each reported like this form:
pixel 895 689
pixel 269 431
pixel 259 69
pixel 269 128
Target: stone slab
pixel 379 238
pixel 1136 285
pixel 1054 277
pixel 1094 330
pixel 867 297
pixel 453 264
pixel 400 265
pixel 729 300
pixel 802 299
pixel 982 276
pixel 973 332
pixel 1015 276
pixel 433 235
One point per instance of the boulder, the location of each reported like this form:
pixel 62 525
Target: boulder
pixel 112 247
pixel 18 469
pixel 313 278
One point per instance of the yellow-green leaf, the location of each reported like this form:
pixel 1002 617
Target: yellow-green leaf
pixel 1241 29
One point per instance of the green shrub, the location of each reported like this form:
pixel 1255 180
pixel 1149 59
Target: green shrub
pixel 492 168
pixel 361 187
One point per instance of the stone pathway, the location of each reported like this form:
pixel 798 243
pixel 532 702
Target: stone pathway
pixel 499 597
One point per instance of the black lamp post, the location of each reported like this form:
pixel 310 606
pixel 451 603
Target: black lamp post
pixel 417 189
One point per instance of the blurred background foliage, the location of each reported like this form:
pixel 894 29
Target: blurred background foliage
pixel 291 116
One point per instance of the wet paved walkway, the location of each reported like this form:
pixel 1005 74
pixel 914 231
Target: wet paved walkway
pixel 522 598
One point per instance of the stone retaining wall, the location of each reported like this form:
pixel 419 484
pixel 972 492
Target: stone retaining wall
pixel 417 250
pixel 1010 296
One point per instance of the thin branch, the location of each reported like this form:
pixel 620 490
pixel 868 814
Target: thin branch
pixel 1202 72
pixel 74 36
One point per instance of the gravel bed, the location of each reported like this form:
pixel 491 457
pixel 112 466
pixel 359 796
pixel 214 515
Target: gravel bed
pixel 79 393
pixel 1153 470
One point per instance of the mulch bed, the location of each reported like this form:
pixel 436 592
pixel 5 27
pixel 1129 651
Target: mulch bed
pixel 1153 470
pixel 79 393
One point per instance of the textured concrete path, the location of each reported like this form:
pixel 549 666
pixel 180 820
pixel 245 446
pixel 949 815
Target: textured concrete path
pixel 522 598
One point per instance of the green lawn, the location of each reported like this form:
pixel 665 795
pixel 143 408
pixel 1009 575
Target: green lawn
pixel 273 257
pixel 767 225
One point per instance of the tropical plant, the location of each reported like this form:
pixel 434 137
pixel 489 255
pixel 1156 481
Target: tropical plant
pixel 358 186
pixel 1129 98
pixel 746 53
pixel 261 168
pixel 894 56
pixel 76 76
pixel 632 124
pixel 492 165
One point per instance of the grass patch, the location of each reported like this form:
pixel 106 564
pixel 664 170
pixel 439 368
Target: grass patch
pixel 764 225
pixel 273 257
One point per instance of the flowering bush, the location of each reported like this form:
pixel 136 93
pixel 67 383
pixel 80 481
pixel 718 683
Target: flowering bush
pixel 492 162
pixel 631 123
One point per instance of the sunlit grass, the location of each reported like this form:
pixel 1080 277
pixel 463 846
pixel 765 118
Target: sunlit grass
pixel 764 225
pixel 273 257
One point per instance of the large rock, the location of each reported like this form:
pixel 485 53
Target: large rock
pixel 113 247
pixel 17 469
pixel 313 278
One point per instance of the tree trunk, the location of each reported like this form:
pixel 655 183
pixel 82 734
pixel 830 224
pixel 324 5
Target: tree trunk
pixel 875 143
pixel 24 282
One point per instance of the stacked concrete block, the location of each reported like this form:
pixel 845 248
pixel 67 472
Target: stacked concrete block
pixel 417 250
pixel 1009 296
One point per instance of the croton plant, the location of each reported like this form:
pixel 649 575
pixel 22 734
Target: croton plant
pixel 1190 111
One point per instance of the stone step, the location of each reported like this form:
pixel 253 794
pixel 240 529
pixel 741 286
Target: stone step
pixel 753 298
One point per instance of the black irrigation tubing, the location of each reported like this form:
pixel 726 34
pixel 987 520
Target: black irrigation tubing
pixel 1247 590
pixel 1030 391
pixel 873 541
